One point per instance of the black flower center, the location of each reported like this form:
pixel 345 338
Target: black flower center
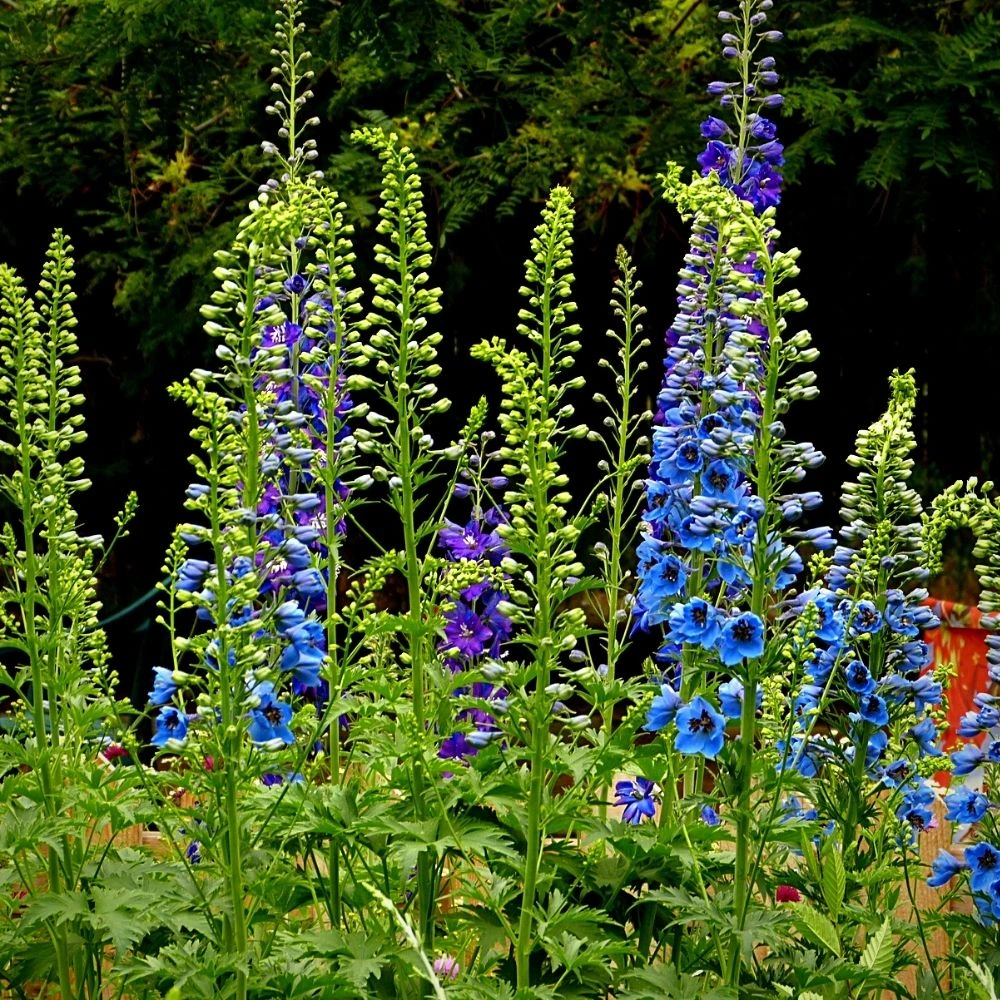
pixel 719 480
pixel 703 724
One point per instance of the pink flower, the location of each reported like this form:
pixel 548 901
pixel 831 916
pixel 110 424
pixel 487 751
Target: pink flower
pixel 446 967
pixel 787 894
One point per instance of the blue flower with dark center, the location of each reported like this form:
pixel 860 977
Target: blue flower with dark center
pixel 269 720
pixel 863 617
pixel 873 709
pixel 859 679
pixel 916 807
pixel 719 480
pixel 742 638
pixel 696 621
pixel 638 798
pixel 983 861
pixel 701 730
pixel 171 727
pixel 966 805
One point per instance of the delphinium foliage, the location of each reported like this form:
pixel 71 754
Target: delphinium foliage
pixel 64 801
pixel 396 752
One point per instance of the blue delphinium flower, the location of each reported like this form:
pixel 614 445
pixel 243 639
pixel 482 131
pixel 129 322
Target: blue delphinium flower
pixel 269 719
pixel 709 816
pixel 925 734
pixel 965 805
pixel 701 730
pixel 662 709
pixel 164 686
pixel 859 678
pixel 966 759
pixel 983 860
pixel 944 868
pixel 638 798
pixel 916 807
pixel 742 638
pixel 873 709
pixel 171 727
pixel 697 621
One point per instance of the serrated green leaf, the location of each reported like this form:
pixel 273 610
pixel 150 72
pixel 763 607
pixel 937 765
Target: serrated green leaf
pixel 834 881
pixel 817 927
pixel 809 995
pixel 878 952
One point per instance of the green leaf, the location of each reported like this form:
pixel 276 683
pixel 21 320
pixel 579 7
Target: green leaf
pixel 878 953
pixel 834 880
pixel 817 927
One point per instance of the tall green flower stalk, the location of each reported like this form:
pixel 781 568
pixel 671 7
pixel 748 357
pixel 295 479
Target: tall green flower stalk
pixel 541 539
pixel 404 353
pixel 56 657
pixel 620 494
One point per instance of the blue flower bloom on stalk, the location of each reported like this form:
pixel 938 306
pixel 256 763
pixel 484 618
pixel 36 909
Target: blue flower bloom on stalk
pixel 966 760
pixel 859 678
pixel 873 709
pixel 983 860
pixel 742 639
pixel 701 730
pixel 164 686
pixel 697 621
pixel 662 709
pixel 966 805
pixel 925 735
pixel 171 727
pixel 916 808
pixel 709 816
pixel 637 796
pixel 269 719
pixel 466 632
pixel 944 868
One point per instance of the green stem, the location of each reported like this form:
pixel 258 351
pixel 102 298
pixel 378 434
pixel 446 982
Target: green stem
pixel 761 578
pixel 537 455
pixel 235 921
